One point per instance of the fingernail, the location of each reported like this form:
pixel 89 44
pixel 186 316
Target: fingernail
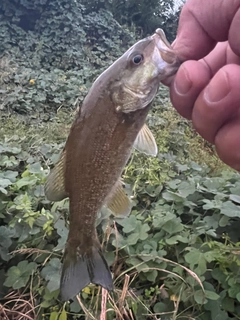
pixel 218 87
pixel 182 82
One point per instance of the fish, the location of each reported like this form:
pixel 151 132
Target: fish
pixel 110 122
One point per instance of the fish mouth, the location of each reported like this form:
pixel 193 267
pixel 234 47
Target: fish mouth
pixel 166 51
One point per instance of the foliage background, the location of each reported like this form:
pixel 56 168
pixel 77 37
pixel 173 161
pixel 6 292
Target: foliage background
pixel 177 255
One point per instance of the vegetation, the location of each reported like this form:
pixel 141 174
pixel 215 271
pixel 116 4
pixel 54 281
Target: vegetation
pixel 141 15
pixel 177 255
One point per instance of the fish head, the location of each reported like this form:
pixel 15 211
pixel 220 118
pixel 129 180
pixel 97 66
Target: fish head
pixel 146 63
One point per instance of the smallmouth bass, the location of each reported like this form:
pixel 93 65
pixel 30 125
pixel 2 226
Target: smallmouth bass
pixel 109 123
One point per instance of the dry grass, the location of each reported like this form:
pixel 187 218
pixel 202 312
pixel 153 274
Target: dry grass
pixel 118 303
pixel 18 306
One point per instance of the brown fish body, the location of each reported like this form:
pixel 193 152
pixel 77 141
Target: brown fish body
pixel 97 149
pixel 96 163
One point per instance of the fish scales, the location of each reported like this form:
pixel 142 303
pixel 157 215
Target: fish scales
pixel 109 123
pixel 102 167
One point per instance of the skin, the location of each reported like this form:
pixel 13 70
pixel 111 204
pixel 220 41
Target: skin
pixel 206 88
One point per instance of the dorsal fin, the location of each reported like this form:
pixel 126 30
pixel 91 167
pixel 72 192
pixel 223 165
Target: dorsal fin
pixel 55 184
pixel 145 142
pixel 118 202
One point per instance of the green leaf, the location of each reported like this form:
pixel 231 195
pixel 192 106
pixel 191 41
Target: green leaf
pixel 160 307
pixel 172 196
pixel 152 275
pixel 54 315
pixel 63 315
pixel 211 295
pixel 228 304
pixel 51 273
pixel 35 168
pixel 132 239
pixel 196 258
pixel 18 276
pixel 234 290
pixel 26 181
pixel 235 198
pixel 5 182
pixel 4 191
pixel 129 224
pixel 186 188
pixel 175 239
pixel 75 306
pixel 230 209
pixel 173 226
pixel 5 241
pixel 238 297
pixel 63 233
pixel 199 297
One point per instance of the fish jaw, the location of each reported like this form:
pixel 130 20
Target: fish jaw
pixel 168 63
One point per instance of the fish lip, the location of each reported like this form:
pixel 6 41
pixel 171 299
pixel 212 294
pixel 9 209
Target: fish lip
pixel 166 51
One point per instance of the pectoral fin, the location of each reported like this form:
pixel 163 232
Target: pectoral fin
pixel 55 184
pixel 118 202
pixel 145 142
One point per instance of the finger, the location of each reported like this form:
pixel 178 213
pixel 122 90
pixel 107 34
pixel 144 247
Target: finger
pixel 189 81
pixel 202 25
pixel 193 76
pixel 222 54
pixel 234 37
pixel 227 142
pixel 218 103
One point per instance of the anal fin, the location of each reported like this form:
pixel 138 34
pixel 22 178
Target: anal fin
pixel 118 202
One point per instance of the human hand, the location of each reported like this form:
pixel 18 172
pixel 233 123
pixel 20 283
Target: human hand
pixel 208 90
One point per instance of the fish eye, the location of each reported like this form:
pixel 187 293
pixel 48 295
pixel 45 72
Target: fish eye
pixel 137 59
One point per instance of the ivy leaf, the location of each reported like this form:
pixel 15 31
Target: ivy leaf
pixel 230 209
pixel 234 198
pixel 75 306
pixel 5 242
pixel 18 276
pixel 10 175
pixel 51 273
pixel 196 257
pixel 173 226
pixel 186 188
pixel 35 168
pixel 4 191
pixel 26 181
pixel 238 297
pixel 132 239
pixel 152 275
pixel 172 196
pixel 5 182
pixel 234 290
pixel 129 224
pixel 175 239
pixel 63 233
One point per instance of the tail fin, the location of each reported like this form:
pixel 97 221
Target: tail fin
pixel 79 272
